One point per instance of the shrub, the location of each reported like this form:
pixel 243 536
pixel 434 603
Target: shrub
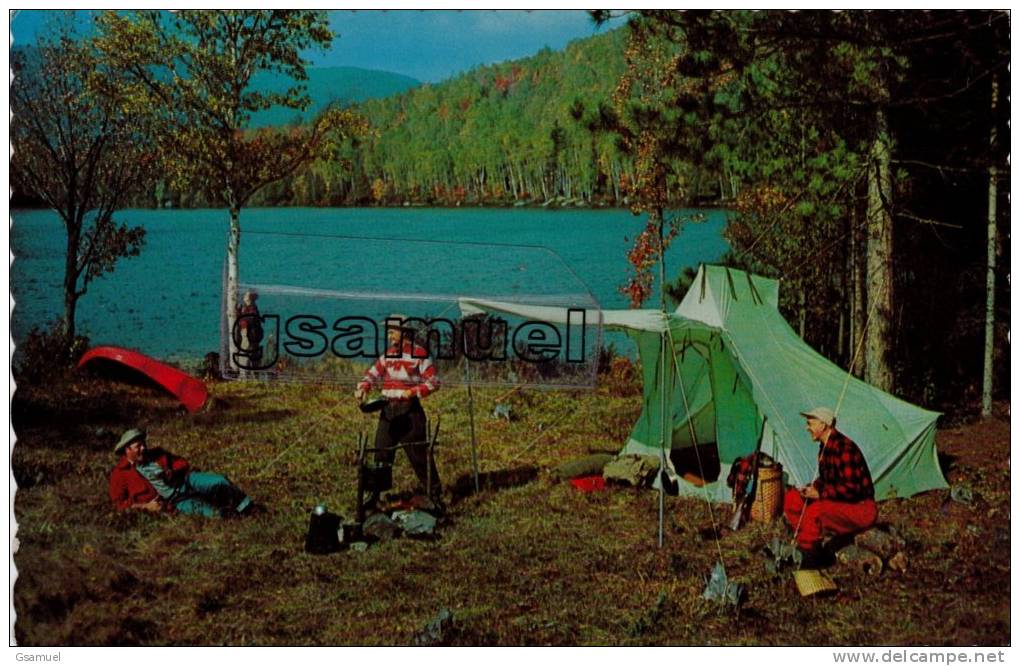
pixel 44 354
pixel 618 374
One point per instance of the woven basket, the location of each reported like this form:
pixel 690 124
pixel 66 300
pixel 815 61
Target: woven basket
pixel 811 582
pixel 768 498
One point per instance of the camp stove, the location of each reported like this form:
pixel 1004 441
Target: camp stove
pixel 376 478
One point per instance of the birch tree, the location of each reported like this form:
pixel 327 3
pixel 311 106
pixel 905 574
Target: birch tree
pixel 192 70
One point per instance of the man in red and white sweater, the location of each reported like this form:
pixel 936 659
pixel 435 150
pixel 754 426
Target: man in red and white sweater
pixel 405 375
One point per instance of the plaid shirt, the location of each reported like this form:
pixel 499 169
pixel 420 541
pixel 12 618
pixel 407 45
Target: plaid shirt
pixel 843 474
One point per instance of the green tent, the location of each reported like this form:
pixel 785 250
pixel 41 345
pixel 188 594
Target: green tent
pixel 739 362
pixel 726 360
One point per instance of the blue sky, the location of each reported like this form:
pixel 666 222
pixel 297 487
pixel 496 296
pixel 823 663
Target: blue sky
pixel 429 45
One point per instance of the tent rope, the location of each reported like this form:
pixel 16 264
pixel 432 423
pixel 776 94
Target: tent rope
pixel 546 430
pixel 298 440
pixel 853 361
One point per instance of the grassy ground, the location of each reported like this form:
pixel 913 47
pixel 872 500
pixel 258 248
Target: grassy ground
pixel 539 563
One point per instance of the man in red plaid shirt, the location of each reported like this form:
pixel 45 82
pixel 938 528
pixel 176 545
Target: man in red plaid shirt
pixel 841 500
pixel 406 375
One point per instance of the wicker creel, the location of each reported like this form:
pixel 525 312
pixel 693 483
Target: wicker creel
pixel 812 581
pixel 768 497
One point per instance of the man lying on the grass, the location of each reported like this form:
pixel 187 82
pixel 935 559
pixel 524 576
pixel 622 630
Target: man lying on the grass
pixel 841 500
pixel 155 481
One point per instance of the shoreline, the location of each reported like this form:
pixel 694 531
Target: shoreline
pixel 717 206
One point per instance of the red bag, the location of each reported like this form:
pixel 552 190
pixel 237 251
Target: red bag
pixel 589 484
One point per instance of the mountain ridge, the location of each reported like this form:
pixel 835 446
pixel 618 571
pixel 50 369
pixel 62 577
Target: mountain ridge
pixel 342 84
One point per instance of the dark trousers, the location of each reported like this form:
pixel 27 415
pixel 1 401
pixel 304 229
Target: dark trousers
pixel 404 421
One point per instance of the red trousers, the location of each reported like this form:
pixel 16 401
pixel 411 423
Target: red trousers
pixel 836 517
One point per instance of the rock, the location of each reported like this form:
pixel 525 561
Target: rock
pixel 865 561
pixel 359 546
pixel 886 544
pixel 961 493
pixel 898 562
pixel 437 631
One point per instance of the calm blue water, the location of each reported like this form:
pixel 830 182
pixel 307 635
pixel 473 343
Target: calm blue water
pixel 166 301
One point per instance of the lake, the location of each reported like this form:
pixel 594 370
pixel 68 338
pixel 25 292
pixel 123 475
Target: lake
pixel 165 302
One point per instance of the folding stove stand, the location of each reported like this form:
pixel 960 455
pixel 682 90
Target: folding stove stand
pixel 371 480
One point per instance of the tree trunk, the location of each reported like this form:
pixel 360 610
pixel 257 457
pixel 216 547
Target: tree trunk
pixel 878 334
pixel 846 303
pixel 233 247
pixel 68 327
pixel 993 241
pixel 658 217
pixel 840 336
pixel 802 314
pixel 859 315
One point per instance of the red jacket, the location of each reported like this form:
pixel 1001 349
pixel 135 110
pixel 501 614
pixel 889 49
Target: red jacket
pixel 128 487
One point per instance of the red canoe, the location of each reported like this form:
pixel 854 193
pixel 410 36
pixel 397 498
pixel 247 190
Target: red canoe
pixel 190 391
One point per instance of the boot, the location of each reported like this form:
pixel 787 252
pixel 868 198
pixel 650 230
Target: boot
pixel 816 558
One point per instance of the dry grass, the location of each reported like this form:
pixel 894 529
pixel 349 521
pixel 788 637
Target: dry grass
pixel 536 564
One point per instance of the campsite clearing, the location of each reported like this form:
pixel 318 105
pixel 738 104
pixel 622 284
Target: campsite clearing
pixel 540 563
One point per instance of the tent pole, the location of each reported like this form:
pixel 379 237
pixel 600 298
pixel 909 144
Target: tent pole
pixel 662 439
pixel 662 376
pixel 471 416
pixel 662 498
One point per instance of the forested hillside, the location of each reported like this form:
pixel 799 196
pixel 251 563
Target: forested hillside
pixel 519 131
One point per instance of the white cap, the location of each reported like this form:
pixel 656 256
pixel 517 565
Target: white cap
pixel 823 414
